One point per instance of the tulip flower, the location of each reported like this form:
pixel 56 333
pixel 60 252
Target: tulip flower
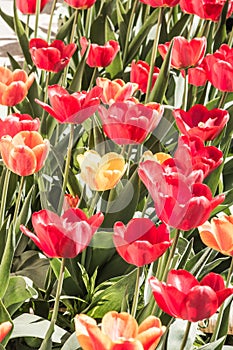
pixel 118 331
pixel 63 236
pixel 14 86
pixel 5 328
pixel 101 173
pixel 201 122
pixel 71 108
pixel 161 3
pixel 141 242
pixel 185 53
pixel 217 234
pixel 29 7
pixel 129 122
pixel 220 68
pixel 80 4
pixel 16 122
pixel 98 55
pixel 139 74
pixel 186 298
pixel 70 202
pixel 178 203
pixel 25 153
pixel 209 10
pixel 53 57
pixel 116 90
pixel 197 75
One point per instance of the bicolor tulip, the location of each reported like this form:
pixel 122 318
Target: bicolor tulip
pixel 71 108
pixel 161 3
pixel 141 242
pixel 16 122
pixel 178 202
pixel 29 7
pixel 209 10
pixel 101 173
pixel 25 153
pixel 53 57
pixel 14 86
pixel 201 122
pixel 140 72
pixel 80 4
pixel 220 68
pixel 185 53
pixel 217 234
pixel 70 202
pixel 116 90
pixel 118 331
pixel 62 236
pixel 186 298
pixel 129 122
pixel 5 328
pixel 99 55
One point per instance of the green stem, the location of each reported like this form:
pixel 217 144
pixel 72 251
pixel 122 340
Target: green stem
pixel 223 99
pixel 185 95
pixel 51 20
pixel 129 30
pixel 43 121
pixel 221 310
pixel 171 255
pixel 136 292
pixel 50 330
pixel 154 53
pixel 186 334
pixel 230 40
pixel 4 196
pixel 93 203
pixel 38 4
pixel 88 22
pixel 146 204
pixel 67 166
pixel 8 254
pixel 93 78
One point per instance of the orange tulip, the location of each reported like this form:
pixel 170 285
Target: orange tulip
pixel 25 153
pixel 5 328
pixel 118 331
pixel 14 86
pixel 217 234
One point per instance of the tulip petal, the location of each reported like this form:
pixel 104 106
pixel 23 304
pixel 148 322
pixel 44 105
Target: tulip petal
pixel 119 325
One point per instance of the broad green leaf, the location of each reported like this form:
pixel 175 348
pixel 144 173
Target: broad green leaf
pixel 25 212
pixel 71 343
pixel 176 334
pixel 179 27
pixel 221 34
pixel 116 66
pixel 65 29
pixel 216 345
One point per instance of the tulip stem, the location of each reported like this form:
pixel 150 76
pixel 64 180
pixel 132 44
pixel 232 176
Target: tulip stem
pixel 172 252
pixel 92 78
pixel 136 292
pixel 51 19
pixel 93 203
pixel 185 95
pixel 223 99
pixel 67 167
pixel 154 53
pixel 4 196
pixel 38 5
pixel 186 334
pixel 129 29
pixel 50 330
pixel 148 199
pixel 221 310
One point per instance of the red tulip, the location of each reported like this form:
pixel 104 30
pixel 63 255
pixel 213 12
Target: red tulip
pixel 29 7
pixel 116 90
pixel 161 3
pixel 80 4
pixel 197 76
pixel 220 68
pixel 14 86
pixel 16 122
pixel 210 10
pixel 25 153
pixel 201 122
pixel 185 53
pixel 100 56
pixel 118 331
pixel 186 298
pixel 140 72
pixel 70 202
pixel 62 236
pixel 141 242
pixel 5 328
pixel 129 122
pixel 178 202
pixel 71 108
pixel 53 57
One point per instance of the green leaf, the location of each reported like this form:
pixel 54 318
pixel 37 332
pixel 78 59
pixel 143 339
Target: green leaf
pixel 179 27
pixel 176 334
pixel 26 211
pixel 19 289
pixel 221 33
pixel 213 346
pixel 65 29
pixel 117 65
pixel 71 343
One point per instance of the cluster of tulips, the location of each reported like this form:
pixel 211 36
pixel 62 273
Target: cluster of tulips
pixel 146 126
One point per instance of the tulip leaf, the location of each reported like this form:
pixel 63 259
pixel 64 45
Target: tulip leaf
pixel 221 34
pixel 186 254
pixel 223 329
pixel 116 66
pixel 179 27
pixel 25 212
pixel 176 334
pixel 23 39
pixel 216 345
pixel 65 28
pixel 160 86
pixel 71 343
